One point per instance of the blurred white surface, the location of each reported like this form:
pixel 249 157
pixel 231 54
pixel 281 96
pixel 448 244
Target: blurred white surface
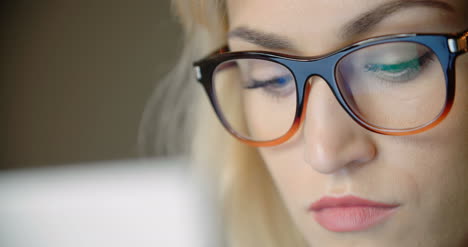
pixel 133 203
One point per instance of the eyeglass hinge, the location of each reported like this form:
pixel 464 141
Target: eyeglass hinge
pixel 453 45
pixel 198 73
pixel 458 45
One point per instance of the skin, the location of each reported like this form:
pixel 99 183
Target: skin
pixel 331 155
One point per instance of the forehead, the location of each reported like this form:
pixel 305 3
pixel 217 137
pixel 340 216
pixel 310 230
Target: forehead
pixel 305 10
pixel 293 16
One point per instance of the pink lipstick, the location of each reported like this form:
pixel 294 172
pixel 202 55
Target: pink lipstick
pixel 350 213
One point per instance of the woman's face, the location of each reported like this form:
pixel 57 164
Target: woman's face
pixel 422 179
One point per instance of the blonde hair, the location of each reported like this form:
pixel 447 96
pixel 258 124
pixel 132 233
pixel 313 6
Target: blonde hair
pixel 182 121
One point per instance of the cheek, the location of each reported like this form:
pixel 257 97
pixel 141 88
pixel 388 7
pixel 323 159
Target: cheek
pixel 442 192
pixel 294 178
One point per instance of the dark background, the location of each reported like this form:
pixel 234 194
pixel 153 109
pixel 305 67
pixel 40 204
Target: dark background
pixel 76 75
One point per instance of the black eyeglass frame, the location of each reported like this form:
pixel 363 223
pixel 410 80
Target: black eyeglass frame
pixel 447 47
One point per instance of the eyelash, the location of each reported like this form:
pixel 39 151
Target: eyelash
pixel 422 62
pixel 269 87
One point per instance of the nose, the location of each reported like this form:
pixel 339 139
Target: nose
pixel 333 140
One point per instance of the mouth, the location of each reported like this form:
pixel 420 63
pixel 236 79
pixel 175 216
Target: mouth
pixel 350 213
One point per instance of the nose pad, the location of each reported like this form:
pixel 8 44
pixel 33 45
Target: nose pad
pixel 332 140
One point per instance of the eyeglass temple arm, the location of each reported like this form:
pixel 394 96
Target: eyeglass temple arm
pixel 460 44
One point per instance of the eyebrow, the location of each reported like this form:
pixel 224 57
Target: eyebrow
pixel 355 27
pixel 370 19
pixel 267 40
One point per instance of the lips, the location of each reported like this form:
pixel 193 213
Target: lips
pixel 350 213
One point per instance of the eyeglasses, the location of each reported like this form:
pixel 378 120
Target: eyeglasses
pixel 394 85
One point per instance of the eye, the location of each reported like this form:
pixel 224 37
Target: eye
pixel 268 77
pixel 404 71
pixel 279 86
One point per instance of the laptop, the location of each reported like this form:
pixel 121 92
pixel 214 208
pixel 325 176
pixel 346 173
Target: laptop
pixel 137 203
